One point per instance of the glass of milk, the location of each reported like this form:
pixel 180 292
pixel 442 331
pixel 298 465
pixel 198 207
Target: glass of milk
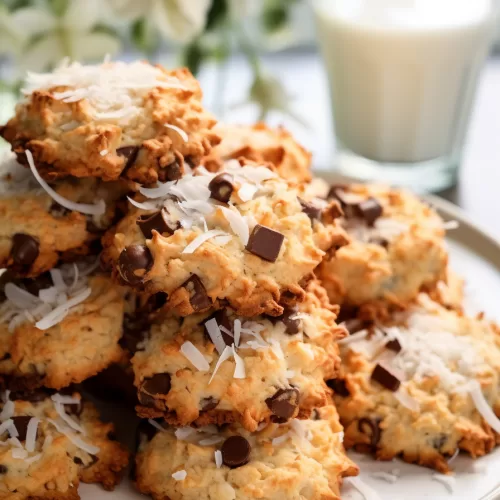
pixel 403 76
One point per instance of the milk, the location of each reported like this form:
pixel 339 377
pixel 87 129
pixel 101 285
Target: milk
pixel 403 73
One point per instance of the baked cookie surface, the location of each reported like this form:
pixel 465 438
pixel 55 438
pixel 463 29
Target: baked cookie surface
pixel 262 144
pixel 51 442
pixel 397 247
pixel 297 461
pixel 421 386
pixel 218 368
pixel 112 120
pixel 239 237
pixel 54 333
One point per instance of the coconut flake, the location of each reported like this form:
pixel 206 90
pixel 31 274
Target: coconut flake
pixel 406 400
pixel 47 442
pixel 7 411
pixel 76 440
pixel 484 408
pixel 218 459
pixel 97 209
pixel 156 425
pixel 60 312
pixel 237 332
pixel 181 132
pixel 195 356
pixel 31 434
pixel 19 454
pixel 211 441
pixel 239 371
pixel 19 297
pixel 280 439
pixel 226 354
pixel 104 152
pixel 183 432
pixel 355 337
pixel 147 205
pixel 289 374
pixel 7 426
pixel 448 482
pixel 179 475
pixel 385 476
pixel 33 459
pixel 199 240
pixel 66 418
pixel 299 428
pixel 65 400
pixel 238 224
pixel 367 492
pixel 247 191
pixel 57 279
pixel 216 335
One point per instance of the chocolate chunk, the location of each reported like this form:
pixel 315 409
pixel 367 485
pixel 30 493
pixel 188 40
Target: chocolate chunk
pixel 312 211
pixel 3 469
pixel 292 324
pixel 156 301
pixel 386 377
pixel 222 319
pixel 75 410
pixel 157 385
pixel 134 262
pixel 21 424
pixel 284 403
pixel 158 222
pixel 370 428
pixel 209 403
pixel 5 357
pixel 235 451
pixel 221 187
pixel 171 172
pixel 339 387
pixel 354 325
pixel 32 396
pixel 78 461
pixel 130 154
pixel 265 243
pixel 394 345
pixel 338 192
pixel 198 297
pixel 41 282
pixel 369 210
pixel 25 249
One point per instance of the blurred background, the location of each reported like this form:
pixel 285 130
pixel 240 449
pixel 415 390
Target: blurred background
pixel 261 59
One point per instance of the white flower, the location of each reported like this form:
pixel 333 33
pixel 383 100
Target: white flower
pixel 12 36
pixel 179 20
pixel 69 35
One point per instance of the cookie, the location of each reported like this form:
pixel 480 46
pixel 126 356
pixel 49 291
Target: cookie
pixel 299 461
pixel 240 237
pixel 112 120
pixel 217 368
pixel 261 144
pixel 422 386
pixel 36 231
pixel 397 247
pixel 49 443
pixel 54 334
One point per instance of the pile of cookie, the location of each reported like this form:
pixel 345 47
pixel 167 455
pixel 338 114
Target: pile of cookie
pixel 256 311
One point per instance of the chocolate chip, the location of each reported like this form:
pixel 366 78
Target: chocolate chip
pixel 198 297
pixel 235 451
pixel 394 345
pixel 134 262
pixel 370 428
pixel 3 469
pixel 338 192
pixel 265 243
pixel 354 325
pixel 386 377
pixel 369 210
pixel 158 222
pixel 292 324
pixel 311 210
pixel 157 385
pixel 339 387
pixel 284 403
pixel 209 403
pixel 41 282
pixel 77 461
pixel 25 249
pixel 221 187
pixel 222 319
pixel 130 154
pixel 21 424
pixel 156 301
pixel 439 442
pixel 378 240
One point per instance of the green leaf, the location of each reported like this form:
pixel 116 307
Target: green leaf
pixel 217 13
pixel 144 36
pixel 193 56
pixel 59 6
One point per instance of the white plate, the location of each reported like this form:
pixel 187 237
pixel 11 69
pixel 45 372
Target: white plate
pixel 475 256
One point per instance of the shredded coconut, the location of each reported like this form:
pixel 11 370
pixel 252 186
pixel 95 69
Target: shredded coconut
pixel 218 459
pixel 179 475
pixel 195 356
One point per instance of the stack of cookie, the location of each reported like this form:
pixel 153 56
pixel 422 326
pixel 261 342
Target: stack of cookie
pixel 246 300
